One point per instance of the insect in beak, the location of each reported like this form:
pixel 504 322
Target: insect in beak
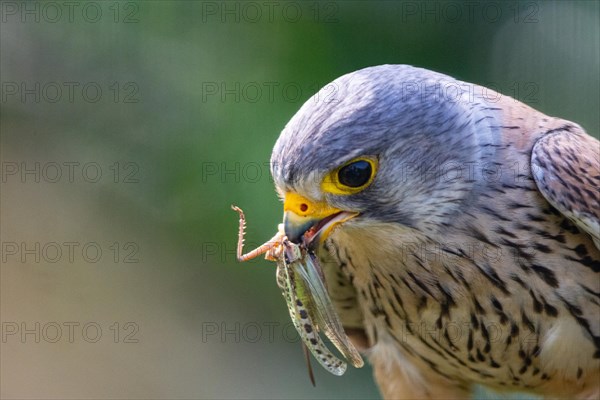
pixel 300 278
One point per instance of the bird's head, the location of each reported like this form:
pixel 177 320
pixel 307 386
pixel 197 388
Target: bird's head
pixel 379 145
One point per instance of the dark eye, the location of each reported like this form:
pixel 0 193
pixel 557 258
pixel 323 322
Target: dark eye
pixel 355 174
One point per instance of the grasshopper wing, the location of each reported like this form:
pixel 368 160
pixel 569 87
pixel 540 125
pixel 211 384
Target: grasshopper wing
pixel 298 308
pixel 312 284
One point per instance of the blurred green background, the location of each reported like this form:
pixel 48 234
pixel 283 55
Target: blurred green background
pixel 128 129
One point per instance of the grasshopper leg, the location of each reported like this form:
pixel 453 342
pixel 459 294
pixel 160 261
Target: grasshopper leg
pixel 268 247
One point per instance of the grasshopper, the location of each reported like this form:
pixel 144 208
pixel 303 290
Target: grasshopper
pixel 300 278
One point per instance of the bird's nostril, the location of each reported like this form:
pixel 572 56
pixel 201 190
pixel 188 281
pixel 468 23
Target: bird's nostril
pixel 303 207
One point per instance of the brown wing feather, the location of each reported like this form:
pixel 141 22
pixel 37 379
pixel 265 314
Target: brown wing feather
pixel 566 167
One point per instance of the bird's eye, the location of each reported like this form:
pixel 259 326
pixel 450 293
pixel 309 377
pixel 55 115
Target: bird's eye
pixel 355 174
pixel 351 177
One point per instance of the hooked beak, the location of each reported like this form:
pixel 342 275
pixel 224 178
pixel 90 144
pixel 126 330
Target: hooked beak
pixel 310 221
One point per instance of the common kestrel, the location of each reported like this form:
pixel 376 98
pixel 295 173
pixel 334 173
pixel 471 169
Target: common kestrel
pixel 459 231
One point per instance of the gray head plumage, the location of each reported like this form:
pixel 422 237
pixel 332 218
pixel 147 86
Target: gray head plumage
pixel 417 122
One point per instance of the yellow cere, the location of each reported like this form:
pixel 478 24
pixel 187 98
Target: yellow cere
pixel 304 207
